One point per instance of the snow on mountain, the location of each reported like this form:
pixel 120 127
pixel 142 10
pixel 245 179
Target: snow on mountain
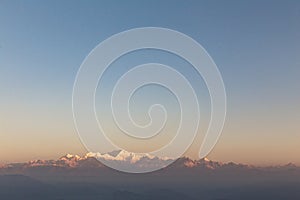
pixel 124 156
pixel 129 160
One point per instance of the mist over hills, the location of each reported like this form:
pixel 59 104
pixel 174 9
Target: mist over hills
pixel 76 177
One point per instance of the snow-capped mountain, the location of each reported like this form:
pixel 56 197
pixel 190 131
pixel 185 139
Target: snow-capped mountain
pixel 90 164
pixel 127 160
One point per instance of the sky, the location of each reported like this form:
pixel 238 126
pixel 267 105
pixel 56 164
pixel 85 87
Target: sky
pixel 255 45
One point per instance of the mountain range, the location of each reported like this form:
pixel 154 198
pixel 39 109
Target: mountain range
pixel 90 163
pixel 85 177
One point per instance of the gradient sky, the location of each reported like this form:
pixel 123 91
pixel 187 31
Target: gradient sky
pixel 255 44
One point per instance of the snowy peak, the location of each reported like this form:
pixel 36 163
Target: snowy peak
pixel 188 163
pixel 125 156
pixel 70 157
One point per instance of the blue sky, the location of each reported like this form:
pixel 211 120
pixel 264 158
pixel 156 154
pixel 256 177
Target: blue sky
pixel 255 45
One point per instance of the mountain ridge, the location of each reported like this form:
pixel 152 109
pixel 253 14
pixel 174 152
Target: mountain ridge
pixel 94 160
